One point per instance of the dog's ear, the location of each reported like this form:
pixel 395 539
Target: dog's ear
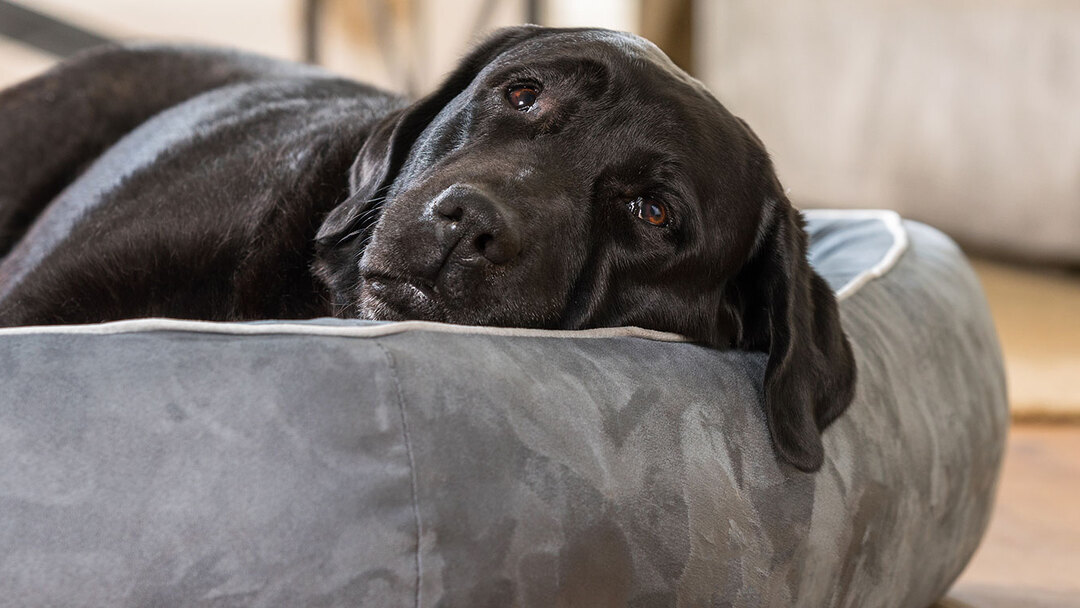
pixel 787 310
pixel 386 148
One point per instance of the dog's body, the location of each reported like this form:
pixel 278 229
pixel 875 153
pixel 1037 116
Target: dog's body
pixel 207 206
pixel 558 178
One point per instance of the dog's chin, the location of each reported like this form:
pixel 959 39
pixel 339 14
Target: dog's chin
pixel 374 309
pixel 390 296
pixel 388 299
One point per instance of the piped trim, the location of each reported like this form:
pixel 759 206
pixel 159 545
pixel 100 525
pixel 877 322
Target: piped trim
pixel 344 331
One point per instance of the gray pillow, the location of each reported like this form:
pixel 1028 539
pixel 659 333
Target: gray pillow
pixel 338 463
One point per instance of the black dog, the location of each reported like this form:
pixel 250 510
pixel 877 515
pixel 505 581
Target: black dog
pixel 556 179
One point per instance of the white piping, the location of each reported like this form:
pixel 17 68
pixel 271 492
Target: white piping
pixel 345 331
pixel 892 221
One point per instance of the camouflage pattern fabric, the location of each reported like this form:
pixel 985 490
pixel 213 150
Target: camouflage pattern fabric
pixel 193 464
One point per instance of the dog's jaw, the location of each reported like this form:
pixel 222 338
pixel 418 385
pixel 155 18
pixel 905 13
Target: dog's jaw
pixel 384 297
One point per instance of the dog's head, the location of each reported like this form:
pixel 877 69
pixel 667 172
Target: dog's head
pixel 577 178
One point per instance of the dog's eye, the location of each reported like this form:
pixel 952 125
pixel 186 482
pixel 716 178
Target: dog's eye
pixel 649 210
pixel 522 96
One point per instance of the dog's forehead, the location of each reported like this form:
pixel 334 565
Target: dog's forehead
pixel 624 43
pixel 640 51
pixel 671 114
pixel 624 48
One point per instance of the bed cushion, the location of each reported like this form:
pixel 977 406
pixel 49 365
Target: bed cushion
pixel 343 463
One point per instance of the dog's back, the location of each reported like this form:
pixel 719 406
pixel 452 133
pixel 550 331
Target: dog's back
pixel 113 160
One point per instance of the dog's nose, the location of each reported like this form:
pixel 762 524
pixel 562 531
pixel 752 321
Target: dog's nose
pixel 476 225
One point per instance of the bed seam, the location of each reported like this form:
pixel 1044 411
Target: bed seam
pixel 392 364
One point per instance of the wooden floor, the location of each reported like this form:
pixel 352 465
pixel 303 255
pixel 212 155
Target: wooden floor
pixel 1037 313
pixel 1030 557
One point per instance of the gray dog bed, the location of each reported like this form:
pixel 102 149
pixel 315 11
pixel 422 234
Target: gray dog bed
pixel 173 463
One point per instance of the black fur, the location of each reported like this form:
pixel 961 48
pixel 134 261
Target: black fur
pixel 204 184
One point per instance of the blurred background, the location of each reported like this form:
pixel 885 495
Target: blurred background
pixel 961 114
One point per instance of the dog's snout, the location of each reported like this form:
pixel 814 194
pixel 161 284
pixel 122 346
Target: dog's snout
pixel 476 225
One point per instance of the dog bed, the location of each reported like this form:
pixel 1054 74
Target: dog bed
pixel 336 463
